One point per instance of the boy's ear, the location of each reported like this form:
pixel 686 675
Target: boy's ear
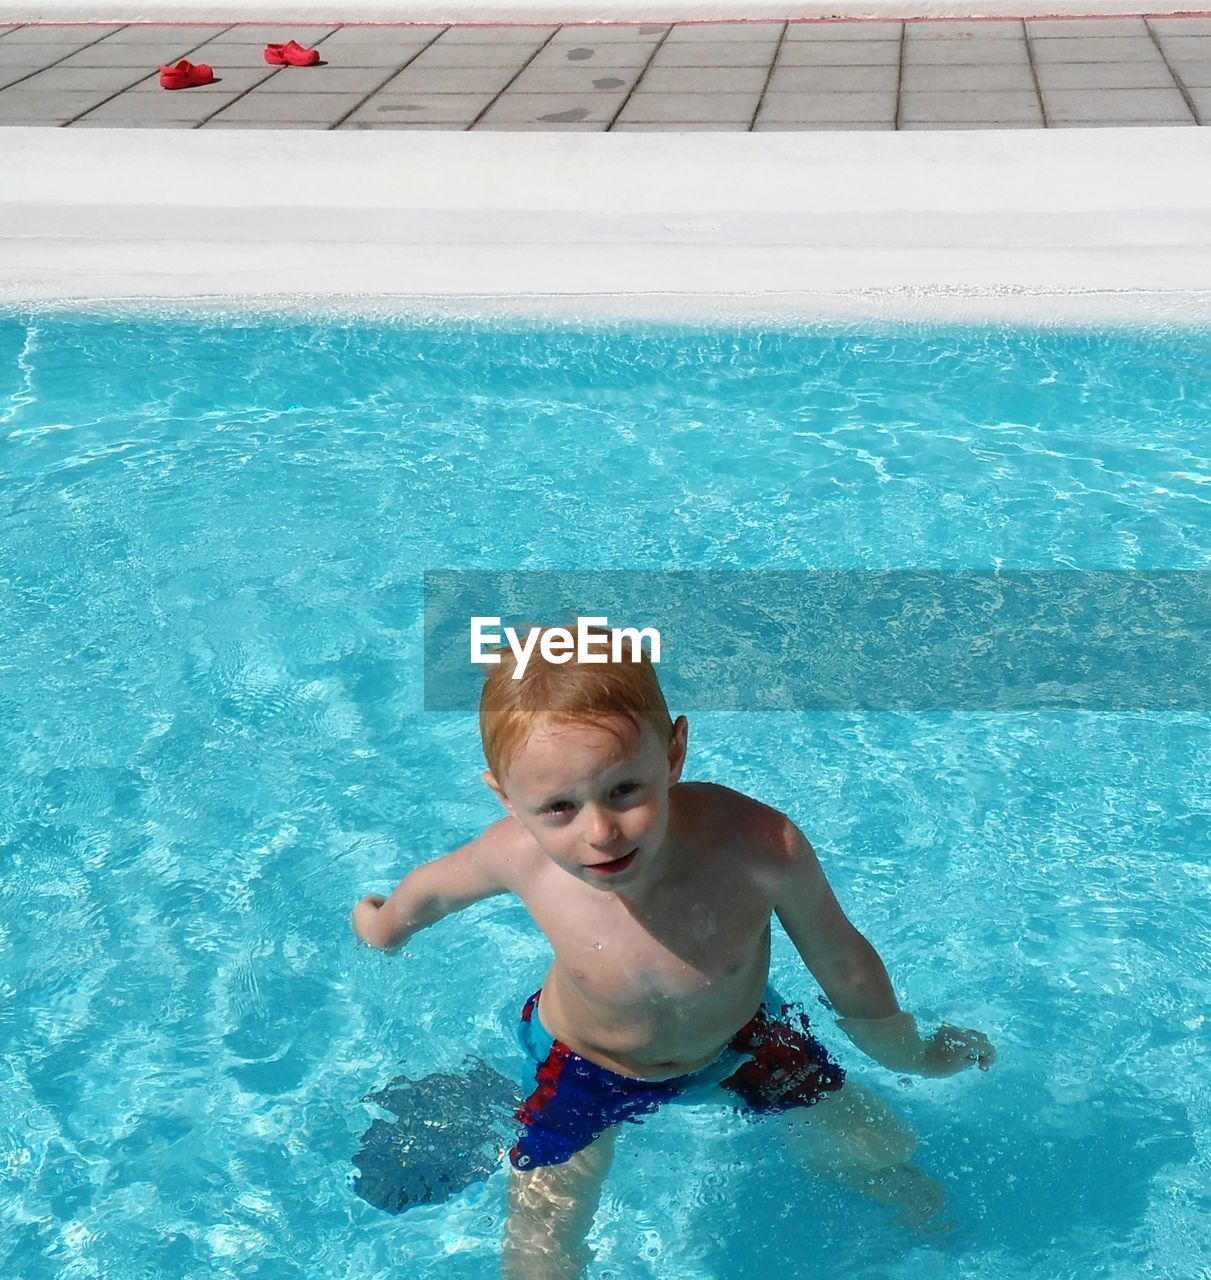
pixel 677 748
pixel 497 790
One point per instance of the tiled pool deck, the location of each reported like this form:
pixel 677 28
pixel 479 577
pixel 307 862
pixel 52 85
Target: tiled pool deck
pixel 761 76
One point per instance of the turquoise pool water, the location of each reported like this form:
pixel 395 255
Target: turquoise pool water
pixel 212 536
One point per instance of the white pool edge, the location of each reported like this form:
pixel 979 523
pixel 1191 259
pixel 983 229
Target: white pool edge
pixel 1002 224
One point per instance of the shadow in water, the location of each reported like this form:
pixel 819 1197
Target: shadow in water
pixel 450 1130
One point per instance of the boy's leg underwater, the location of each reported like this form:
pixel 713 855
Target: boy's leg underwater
pixel 550 1213
pixel 852 1137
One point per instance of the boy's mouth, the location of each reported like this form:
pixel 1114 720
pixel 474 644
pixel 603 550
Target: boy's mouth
pixel 612 868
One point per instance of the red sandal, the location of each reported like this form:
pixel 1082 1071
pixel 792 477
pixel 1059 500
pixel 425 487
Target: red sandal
pixel 291 54
pixel 184 75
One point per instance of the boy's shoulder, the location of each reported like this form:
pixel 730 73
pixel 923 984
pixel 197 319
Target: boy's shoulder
pixel 723 815
pixel 507 850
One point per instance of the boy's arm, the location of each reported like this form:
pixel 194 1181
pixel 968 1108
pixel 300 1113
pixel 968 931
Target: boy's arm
pixel 854 979
pixel 436 889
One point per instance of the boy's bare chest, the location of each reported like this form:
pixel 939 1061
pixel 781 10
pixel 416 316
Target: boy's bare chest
pixel 681 945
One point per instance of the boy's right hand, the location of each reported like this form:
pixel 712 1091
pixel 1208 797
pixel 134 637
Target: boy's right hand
pixel 953 1049
pixel 366 922
pixel 434 890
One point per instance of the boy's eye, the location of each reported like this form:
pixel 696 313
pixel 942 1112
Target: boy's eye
pixel 562 808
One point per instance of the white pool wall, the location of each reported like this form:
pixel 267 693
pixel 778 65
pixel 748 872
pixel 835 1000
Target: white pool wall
pixel 986 221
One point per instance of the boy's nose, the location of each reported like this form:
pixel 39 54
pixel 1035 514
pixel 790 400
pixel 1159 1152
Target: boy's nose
pixel 603 830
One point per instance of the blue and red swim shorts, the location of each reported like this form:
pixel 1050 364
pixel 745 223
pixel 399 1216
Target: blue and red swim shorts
pixel 770 1065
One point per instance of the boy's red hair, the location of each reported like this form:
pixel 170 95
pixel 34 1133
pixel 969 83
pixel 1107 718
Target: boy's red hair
pixel 567 693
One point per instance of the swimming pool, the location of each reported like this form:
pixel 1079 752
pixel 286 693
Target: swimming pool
pixel 214 530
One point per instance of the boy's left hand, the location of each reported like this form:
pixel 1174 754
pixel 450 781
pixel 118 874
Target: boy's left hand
pixel 952 1049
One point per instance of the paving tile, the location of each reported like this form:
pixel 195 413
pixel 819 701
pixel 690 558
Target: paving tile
pixel 1105 75
pixel 1201 97
pixel 615 55
pixel 574 80
pixel 318 108
pixel 356 41
pixel 474 55
pixel 278 33
pixel 325 79
pixel 555 108
pixel 540 126
pixel 839 53
pixel 1181 26
pixel 726 33
pixel 99 79
pixel 661 79
pixel 843 31
pixel 376 32
pixel 964 125
pixel 821 107
pixel 450 108
pixel 248 124
pixel 49 33
pixel 1097 28
pixel 141 110
pixel 1117 124
pixel 823 126
pixel 46 107
pixel 678 126
pixel 497 35
pixel 158 33
pixel 703 53
pixel 1192 47
pixel 592 34
pixel 396 126
pixel 87 122
pixel 834 79
pixel 993 29
pixel 476 80
pixel 1126 49
pixel 151 57
pixel 33 55
pixel 938 77
pixel 1194 75
pixel 1007 107
pixel 1160 106
pixel 703 108
pixel 966 52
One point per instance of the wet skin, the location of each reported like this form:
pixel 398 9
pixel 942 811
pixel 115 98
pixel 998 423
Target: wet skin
pixel 655 895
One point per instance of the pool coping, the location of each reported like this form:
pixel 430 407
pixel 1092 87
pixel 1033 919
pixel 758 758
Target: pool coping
pixel 1101 223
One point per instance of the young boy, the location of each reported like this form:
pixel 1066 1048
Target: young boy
pixel 656 896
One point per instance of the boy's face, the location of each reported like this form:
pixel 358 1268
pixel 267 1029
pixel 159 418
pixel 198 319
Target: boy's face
pixel 596 802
